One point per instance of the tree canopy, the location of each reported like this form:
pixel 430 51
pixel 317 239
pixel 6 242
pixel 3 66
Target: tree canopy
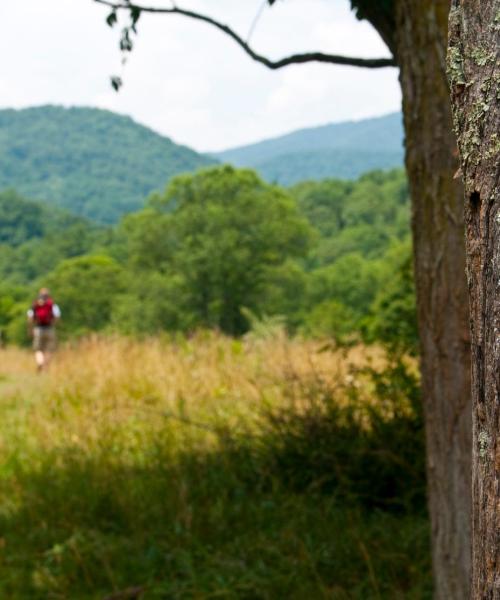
pixel 219 230
pixel 216 247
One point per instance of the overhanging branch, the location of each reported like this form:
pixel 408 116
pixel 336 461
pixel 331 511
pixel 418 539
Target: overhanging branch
pixel 370 63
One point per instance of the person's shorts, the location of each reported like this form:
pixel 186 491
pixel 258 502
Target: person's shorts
pixel 44 339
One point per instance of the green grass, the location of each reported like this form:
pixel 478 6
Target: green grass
pixel 182 513
pixel 195 528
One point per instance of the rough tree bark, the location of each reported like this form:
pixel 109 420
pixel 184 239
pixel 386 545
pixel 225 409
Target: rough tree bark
pixel 474 70
pixel 442 303
pixel 416 32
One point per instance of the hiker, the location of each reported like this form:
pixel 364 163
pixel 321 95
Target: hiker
pixel 42 317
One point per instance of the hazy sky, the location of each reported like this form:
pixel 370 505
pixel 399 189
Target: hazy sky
pixel 189 81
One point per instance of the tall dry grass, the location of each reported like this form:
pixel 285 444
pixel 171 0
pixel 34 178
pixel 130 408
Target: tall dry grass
pixel 103 385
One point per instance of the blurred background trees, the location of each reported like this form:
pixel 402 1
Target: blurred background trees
pixel 331 257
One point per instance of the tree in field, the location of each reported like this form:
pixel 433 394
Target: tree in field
pixel 85 288
pixel 416 33
pixel 474 70
pixel 220 232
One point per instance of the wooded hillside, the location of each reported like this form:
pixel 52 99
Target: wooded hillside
pixel 96 163
pixel 345 150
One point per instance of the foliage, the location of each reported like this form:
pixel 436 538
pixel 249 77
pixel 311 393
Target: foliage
pixel 332 319
pixel 359 273
pixel 85 288
pixel 151 303
pixel 370 452
pixel 93 162
pixel 13 313
pixel 221 241
pixel 283 293
pixel 350 280
pixel 356 217
pixel 20 219
pixel 393 315
pixel 218 232
pixel 34 240
pixel 34 237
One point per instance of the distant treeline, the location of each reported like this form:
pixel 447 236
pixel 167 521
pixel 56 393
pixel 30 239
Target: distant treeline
pixel 218 249
pixel 344 150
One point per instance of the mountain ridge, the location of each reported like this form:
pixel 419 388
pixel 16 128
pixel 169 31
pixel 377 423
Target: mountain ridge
pixel 353 147
pixel 94 162
pixel 101 165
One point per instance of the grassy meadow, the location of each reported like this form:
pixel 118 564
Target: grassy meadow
pixel 209 467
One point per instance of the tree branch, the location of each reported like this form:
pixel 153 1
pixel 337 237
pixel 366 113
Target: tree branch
pixel 370 63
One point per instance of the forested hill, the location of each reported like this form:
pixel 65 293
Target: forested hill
pixel 96 163
pixel 343 150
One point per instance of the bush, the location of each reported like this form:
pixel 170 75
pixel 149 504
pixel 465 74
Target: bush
pixel 371 453
pixel 333 319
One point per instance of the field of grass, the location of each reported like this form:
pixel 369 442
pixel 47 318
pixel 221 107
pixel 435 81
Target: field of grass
pixel 208 468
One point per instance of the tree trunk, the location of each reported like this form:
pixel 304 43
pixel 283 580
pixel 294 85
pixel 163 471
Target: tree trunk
pixel 442 303
pixel 473 62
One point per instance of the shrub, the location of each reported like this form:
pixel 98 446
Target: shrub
pixel 371 452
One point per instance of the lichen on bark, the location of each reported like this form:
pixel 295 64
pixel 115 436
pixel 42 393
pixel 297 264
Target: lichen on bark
pixel 476 33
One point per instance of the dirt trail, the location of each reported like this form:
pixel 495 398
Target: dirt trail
pixel 19 382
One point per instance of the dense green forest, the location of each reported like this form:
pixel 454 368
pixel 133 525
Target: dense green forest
pixel 345 150
pixel 288 169
pixel 102 165
pixel 220 249
pixel 96 163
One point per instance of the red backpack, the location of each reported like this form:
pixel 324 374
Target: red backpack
pixel 42 313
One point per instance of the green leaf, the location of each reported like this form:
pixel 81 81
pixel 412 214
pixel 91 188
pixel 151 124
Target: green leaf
pixel 112 18
pixel 116 83
pixel 135 13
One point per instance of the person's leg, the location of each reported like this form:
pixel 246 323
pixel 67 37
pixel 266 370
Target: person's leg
pixel 37 347
pixel 43 344
pixel 50 344
pixel 40 360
